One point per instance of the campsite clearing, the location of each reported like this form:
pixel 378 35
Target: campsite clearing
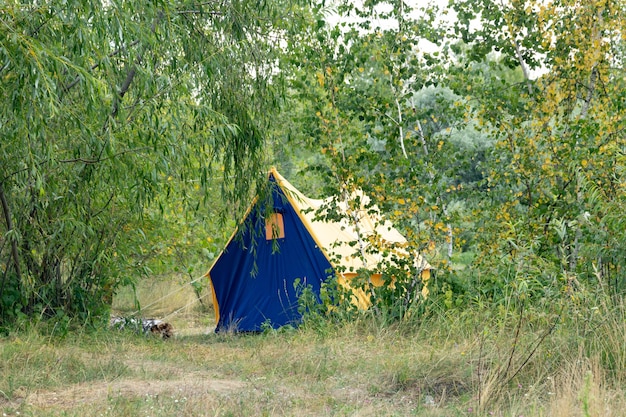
pixel 278 373
pixel 448 364
pixel 361 368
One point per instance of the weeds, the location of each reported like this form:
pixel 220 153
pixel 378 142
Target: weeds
pixel 505 365
pixel 471 362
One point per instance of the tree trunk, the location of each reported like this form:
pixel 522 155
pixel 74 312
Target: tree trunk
pixel 14 250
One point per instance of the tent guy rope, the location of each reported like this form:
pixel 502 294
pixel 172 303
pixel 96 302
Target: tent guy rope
pixel 182 287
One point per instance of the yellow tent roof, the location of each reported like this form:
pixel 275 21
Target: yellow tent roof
pixel 337 238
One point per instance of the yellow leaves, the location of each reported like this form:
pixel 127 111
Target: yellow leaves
pixel 320 78
pixel 503 215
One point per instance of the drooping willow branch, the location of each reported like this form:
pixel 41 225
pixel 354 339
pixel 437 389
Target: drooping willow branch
pixel 9 224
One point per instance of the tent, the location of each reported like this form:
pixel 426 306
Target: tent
pixel 253 279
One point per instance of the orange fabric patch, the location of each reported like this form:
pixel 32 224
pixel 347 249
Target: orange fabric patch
pixel 274 227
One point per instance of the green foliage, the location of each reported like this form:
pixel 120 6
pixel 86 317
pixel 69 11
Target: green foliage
pixel 356 80
pixel 390 120
pixel 112 108
pixel 330 307
pixel 502 141
pixel 552 175
pixel 498 132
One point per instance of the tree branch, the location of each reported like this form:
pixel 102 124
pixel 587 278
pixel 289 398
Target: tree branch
pixel 124 88
pixel 5 66
pixel 133 71
pixel 94 66
pixel 201 12
pixel 518 52
pixel 96 161
pixel 590 92
pixel 399 123
pixel 9 223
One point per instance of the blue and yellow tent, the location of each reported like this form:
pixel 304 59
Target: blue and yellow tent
pixel 253 278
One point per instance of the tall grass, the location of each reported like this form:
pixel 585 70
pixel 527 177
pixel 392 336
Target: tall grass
pixel 471 362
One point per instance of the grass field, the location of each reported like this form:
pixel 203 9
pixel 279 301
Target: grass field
pixel 453 364
pixel 170 299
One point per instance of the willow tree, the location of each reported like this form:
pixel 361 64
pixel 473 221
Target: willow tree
pixel 102 101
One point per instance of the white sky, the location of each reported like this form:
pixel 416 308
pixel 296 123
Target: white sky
pixel 424 45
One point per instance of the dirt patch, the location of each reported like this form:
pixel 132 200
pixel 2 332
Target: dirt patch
pixel 193 384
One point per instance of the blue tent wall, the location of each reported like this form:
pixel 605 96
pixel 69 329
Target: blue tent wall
pixel 247 300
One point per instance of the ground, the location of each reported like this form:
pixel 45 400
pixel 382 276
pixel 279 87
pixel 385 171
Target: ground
pixel 448 365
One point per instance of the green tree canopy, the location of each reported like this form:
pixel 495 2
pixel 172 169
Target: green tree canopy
pixel 103 102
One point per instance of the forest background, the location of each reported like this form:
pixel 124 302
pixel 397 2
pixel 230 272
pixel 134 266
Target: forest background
pixel 491 133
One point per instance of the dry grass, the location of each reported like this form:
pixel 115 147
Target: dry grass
pixel 297 373
pixel 171 299
pixel 447 366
